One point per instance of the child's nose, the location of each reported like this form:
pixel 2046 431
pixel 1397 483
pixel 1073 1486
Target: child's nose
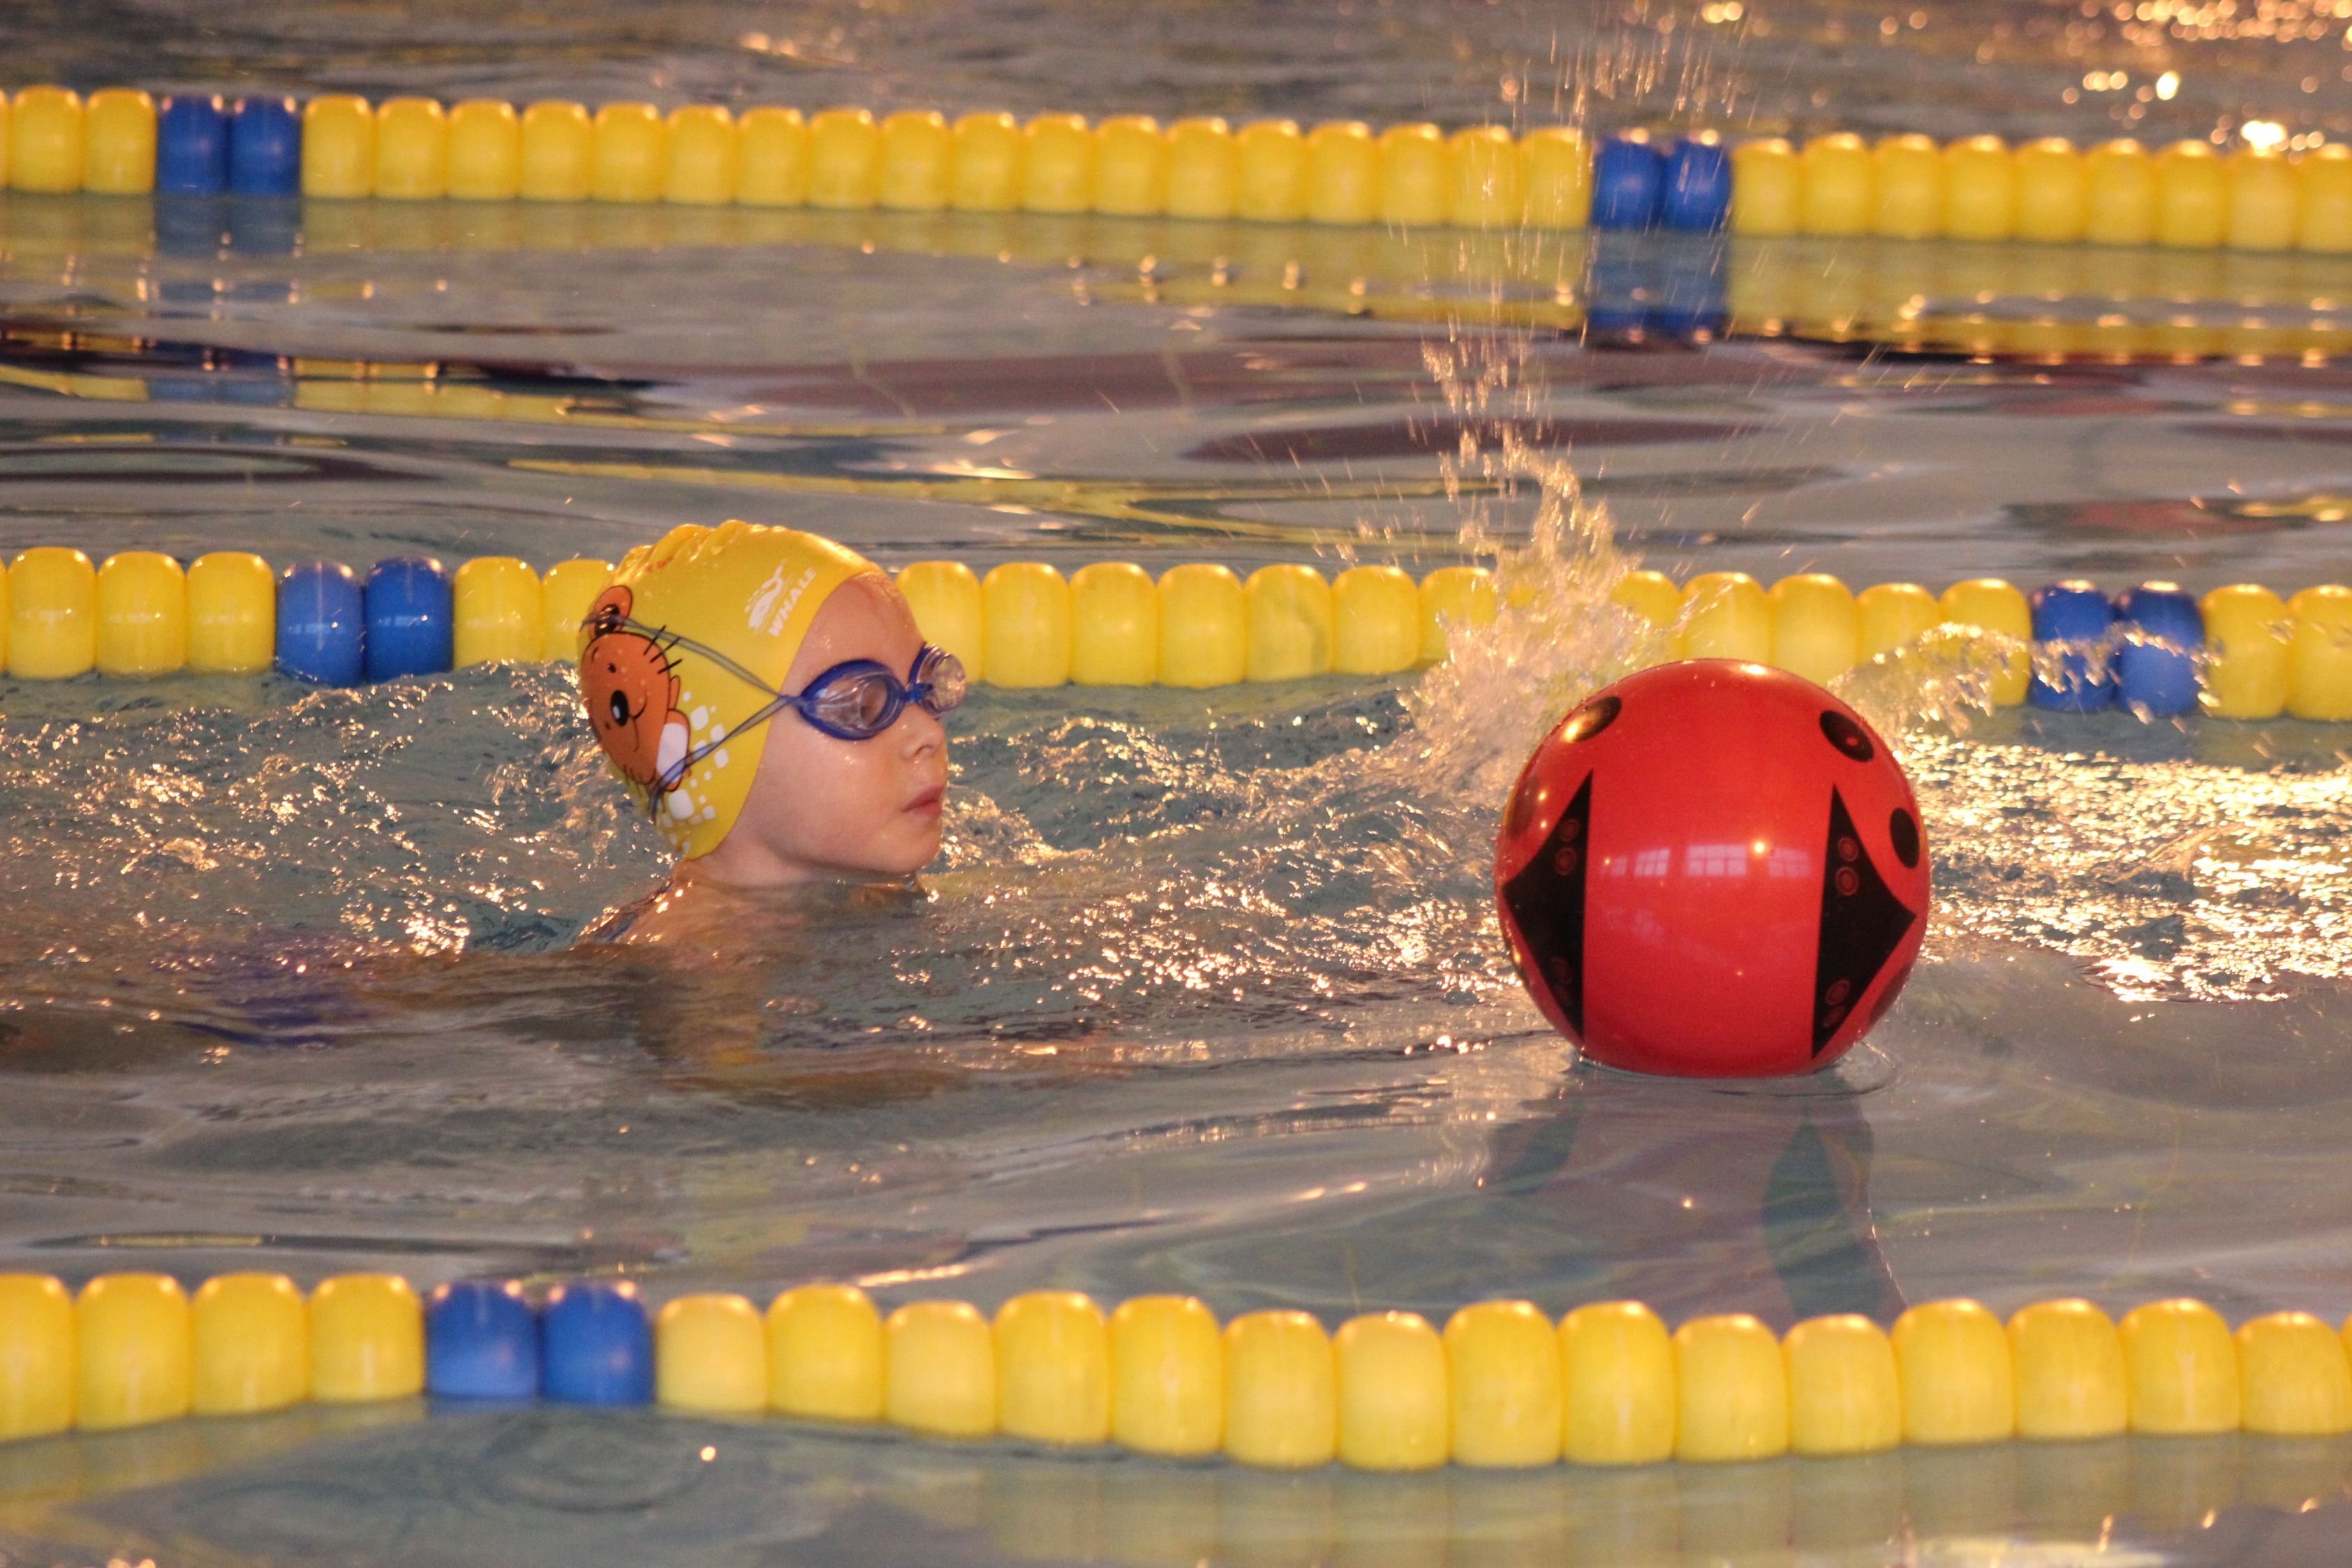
pixel 918 730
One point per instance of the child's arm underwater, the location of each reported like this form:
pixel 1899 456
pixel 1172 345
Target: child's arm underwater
pixel 710 996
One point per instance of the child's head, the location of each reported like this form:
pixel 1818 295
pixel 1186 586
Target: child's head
pixel 769 697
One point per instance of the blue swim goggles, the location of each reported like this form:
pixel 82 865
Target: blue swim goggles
pixel 858 699
pixel 855 700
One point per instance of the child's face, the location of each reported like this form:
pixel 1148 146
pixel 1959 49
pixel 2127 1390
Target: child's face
pixel 823 807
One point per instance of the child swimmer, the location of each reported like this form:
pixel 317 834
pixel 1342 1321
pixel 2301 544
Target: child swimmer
pixel 766 695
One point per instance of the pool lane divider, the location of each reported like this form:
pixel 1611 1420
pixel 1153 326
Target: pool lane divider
pixel 2241 652
pixel 1502 1385
pixel 2190 194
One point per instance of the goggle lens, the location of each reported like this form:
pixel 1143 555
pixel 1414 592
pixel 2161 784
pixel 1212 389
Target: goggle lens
pixel 942 673
pixel 864 703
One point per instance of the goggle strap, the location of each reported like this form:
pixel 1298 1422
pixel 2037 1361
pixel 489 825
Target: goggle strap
pixel 661 636
pixel 677 771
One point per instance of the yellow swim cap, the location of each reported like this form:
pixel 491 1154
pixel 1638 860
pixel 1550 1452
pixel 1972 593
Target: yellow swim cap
pixel 663 709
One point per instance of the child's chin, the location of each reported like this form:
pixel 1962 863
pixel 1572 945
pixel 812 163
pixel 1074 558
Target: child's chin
pixel 905 856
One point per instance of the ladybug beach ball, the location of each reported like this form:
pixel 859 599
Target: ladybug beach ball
pixel 1713 869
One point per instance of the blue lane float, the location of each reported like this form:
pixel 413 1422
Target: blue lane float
pixel 481 1341
pixel 596 1345
pixel 1695 198
pixel 411 619
pixel 264 148
pixel 191 147
pixel 1627 176
pixel 2160 632
pixel 321 623
pixel 2077 617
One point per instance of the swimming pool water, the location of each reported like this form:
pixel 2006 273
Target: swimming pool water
pixel 1205 995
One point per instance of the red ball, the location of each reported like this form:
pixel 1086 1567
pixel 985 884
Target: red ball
pixel 1713 869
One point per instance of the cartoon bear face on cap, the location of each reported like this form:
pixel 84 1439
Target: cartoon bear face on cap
pixel 630 694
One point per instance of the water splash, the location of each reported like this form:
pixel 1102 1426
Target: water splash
pixel 1558 634
pixel 1938 683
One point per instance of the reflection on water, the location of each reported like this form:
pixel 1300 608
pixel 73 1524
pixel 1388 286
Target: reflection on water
pixel 463 377
pixel 197 259
pixel 493 1487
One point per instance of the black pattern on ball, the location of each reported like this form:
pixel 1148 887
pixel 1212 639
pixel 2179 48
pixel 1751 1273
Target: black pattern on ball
pixel 1903 829
pixel 1592 718
pixel 1847 736
pixel 1861 925
pixel 1547 902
